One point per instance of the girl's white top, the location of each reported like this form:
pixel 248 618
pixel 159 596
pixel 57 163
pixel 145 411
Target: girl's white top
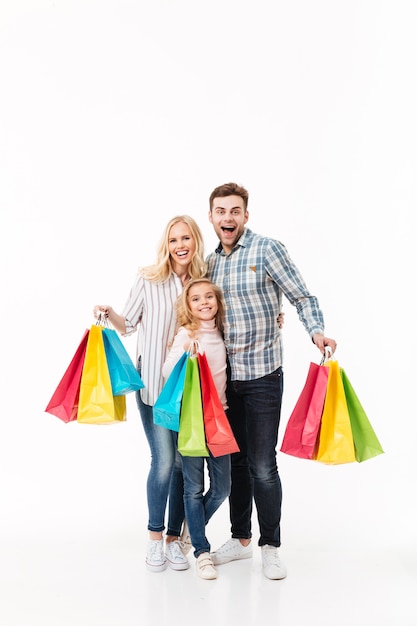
pixel 211 342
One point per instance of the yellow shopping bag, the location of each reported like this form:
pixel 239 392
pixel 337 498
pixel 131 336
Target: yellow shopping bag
pixel 335 441
pixel 97 405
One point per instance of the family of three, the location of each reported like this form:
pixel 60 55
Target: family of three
pixel 230 302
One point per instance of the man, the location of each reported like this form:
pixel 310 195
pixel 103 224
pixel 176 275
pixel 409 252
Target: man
pixel 254 272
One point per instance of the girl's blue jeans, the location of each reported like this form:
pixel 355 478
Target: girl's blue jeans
pixel 200 506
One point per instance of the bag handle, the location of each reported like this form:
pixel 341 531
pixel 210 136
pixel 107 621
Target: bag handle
pixel 327 356
pixel 102 320
pixel 194 347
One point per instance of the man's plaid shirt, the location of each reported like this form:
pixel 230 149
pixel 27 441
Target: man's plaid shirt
pixel 253 277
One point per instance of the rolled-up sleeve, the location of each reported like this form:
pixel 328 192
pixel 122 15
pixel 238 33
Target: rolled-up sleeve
pixel 133 309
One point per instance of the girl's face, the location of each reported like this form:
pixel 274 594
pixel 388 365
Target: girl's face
pixel 202 302
pixel 181 246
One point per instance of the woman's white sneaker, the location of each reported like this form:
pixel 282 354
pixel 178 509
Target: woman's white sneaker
pixel 272 566
pixel 155 557
pixel 176 558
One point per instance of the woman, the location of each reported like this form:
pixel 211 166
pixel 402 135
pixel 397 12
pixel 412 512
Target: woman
pixel 150 309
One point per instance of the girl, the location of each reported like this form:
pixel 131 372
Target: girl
pixel 200 315
pixel 150 308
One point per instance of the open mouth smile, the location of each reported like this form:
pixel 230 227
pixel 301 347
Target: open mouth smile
pixel 228 229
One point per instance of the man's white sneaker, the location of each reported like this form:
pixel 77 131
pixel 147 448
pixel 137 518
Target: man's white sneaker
pixel 232 550
pixel 185 539
pixel 155 557
pixel 176 558
pixel 271 563
pixel 204 567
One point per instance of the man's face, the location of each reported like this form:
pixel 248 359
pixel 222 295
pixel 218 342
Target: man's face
pixel 228 217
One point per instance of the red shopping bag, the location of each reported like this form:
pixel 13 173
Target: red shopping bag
pixel 219 434
pixel 304 423
pixel 64 401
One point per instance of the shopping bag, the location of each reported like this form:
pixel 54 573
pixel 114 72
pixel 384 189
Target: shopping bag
pixel 191 436
pixel 167 408
pixel 64 400
pixel 97 405
pixel 365 440
pixel 219 435
pixel 124 376
pixel 335 440
pixel 304 423
pixel 120 409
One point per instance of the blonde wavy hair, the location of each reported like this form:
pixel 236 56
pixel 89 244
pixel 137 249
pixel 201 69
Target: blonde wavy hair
pixel 185 317
pixel 161 271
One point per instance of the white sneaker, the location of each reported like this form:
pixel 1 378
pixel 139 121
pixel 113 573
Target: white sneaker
pixel 155 557
pixel 185 539
pixel 205 568
pixel 232 550
pixel 176 558
pixel 271 563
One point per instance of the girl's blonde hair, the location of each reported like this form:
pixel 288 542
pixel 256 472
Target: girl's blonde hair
pixel 185 317
pixel 162 270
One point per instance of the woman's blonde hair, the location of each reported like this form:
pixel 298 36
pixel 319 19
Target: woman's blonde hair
pixel 162 270
pixel 185 317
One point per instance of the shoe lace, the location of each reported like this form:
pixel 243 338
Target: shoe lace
pixel 229 546
pixel 175 550
pixel 155 550
pixel 272 556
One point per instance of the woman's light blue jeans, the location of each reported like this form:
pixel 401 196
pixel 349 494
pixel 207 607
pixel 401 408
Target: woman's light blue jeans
pixel 165 480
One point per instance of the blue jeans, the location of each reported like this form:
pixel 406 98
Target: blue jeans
pixel 200 506
pixel 254 415
pixel 165 475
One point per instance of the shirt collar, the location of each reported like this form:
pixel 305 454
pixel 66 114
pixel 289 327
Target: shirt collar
pixel 242 241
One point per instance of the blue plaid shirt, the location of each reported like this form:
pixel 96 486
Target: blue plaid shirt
pixel 254 276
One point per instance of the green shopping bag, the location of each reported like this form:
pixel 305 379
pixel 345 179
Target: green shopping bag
pixel 191 435
pixel 365 440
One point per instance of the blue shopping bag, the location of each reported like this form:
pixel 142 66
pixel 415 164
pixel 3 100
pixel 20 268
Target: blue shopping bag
pixel 123 374
pixel 167 408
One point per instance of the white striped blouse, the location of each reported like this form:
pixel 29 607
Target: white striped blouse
pixel 150 309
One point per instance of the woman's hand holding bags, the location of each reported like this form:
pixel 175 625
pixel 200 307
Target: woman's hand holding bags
pixel 93 388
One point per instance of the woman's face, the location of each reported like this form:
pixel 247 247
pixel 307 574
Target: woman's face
pixel 181 246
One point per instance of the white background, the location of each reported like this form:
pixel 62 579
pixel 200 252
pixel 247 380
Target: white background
pixel 115 116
